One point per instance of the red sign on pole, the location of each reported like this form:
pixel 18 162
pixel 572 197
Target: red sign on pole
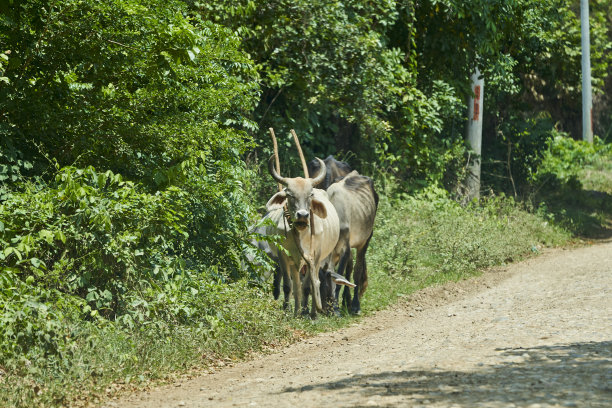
pixel 476 102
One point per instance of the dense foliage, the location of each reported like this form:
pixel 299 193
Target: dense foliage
pixel 134 87
pixel 133 138
pixel 122 126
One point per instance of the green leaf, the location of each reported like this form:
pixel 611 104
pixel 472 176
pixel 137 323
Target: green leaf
pixel 37 263
pixel 12 250
pixel 60 236
pixel 46 235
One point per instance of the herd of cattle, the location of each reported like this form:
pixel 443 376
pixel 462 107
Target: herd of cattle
pixel 320 219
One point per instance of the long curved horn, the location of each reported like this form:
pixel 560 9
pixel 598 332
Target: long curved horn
pixel 321 176
pixel 273 172
pixel 300 153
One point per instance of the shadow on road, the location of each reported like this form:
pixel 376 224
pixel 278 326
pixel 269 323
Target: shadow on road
pixel 572 375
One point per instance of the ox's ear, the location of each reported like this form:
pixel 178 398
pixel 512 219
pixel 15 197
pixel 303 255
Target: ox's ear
pixel 318 208
pixel 277 201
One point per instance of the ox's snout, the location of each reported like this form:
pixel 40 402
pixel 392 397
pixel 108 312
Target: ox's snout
pixel 301 219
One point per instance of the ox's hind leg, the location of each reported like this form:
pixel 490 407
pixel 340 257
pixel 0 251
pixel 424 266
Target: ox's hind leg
pixel 345 264
pixel 306 289
pixel 361 277
pixel 328 290
pixel 286 289
pixel 346 293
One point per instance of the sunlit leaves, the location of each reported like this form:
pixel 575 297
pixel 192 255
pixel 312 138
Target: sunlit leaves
pixel 124 84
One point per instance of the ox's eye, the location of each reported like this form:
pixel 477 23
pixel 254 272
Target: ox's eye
pixel 311 194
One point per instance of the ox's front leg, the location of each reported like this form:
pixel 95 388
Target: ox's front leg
pixel 284 269
pixel 315 286
pixel 296 281
pixel 306 288
pixel 297 293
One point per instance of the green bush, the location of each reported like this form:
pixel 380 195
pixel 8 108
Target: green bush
pixel 572 185
pixel 91 234
pixel 564 158
pixel 97 236
pixel 135 87
pixel 31 325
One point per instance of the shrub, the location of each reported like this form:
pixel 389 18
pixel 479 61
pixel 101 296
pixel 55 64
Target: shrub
pixel 565 157
pixel 131 86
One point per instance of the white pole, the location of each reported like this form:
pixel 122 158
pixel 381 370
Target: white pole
pixel 474 134
pixel 587 99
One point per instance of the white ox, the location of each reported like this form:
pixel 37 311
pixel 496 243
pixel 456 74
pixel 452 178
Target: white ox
pixel 310 232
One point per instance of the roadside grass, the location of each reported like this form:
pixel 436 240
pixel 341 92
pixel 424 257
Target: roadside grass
pixel 582 202
pixel 598 175
pixel 109 359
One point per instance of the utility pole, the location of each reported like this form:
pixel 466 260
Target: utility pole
pixel 474 134
pixel 587 98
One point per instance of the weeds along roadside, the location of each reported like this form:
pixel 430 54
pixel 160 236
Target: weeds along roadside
pixel 572 187
pixel 419 240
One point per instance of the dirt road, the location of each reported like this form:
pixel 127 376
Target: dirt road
pixel 538 334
